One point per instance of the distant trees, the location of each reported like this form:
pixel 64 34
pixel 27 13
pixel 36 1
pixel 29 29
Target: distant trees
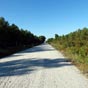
pixel 42 38
pixel 56 36
pixel 12 36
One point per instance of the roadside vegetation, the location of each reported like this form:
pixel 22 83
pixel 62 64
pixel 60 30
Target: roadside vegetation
pixel 13 39
pixel 75 46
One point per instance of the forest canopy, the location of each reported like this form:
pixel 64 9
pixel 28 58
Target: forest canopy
pixel 11 35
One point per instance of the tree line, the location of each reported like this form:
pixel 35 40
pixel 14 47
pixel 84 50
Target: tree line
pixel 12 36
pixel 74 45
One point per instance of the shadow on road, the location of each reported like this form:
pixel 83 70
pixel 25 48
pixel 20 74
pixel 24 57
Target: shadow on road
pixel 38 49
pixel 27 66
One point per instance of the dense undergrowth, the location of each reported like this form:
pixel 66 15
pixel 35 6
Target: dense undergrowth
pixel 75 46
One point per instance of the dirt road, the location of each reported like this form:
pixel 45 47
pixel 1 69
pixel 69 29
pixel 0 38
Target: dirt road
pixel 40 67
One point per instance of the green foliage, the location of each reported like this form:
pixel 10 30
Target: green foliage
pixel 12 36
pixel 42 38
pixel 50 40
pixel 75 46
pixel 75 43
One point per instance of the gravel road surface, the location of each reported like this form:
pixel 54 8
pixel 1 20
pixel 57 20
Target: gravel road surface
pixel 40 67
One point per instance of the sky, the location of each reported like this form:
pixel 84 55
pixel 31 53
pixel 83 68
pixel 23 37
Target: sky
pixel 46 17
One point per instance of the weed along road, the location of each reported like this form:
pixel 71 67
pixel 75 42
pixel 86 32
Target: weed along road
pixel 40 67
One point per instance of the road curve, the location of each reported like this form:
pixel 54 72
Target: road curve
pixel 40 67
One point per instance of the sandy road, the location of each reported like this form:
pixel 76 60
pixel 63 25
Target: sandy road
pixel 40 67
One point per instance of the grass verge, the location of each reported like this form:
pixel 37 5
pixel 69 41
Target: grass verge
pixel 80 62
